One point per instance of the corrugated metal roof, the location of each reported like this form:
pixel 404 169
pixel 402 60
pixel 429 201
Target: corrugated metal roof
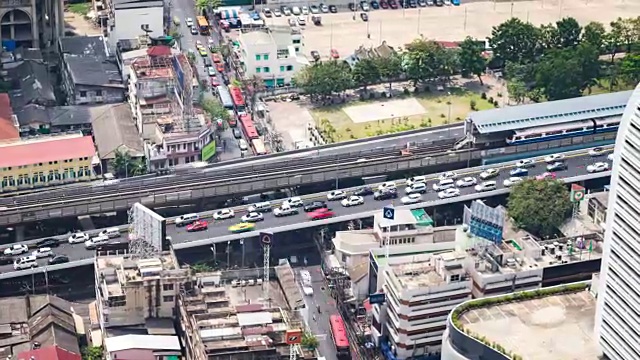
pixel 254 318
pixel 548 113
pixel 151 342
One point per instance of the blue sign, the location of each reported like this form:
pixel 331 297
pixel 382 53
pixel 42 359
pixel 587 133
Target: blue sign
pixel 379 298
pixel 389 212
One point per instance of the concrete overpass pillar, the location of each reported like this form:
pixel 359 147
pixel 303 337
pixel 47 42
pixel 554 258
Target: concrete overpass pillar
pixel 19 233
pixel 86 223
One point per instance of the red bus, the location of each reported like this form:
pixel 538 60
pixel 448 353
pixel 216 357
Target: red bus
pixel 339 337
pixel 238 99
pixel 248 128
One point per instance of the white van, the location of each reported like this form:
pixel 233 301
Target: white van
pixel 418 187
pixel 93 242
pixel 387 185
pixel 110 233
pixel 416 179
pixel 243 145
pixel 444 184
pixel 186 219
pixel 260 207
pixel 25 262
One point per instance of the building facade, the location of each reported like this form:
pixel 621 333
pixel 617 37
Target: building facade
pixel 617 324
pixel 31 23
pixel 39 162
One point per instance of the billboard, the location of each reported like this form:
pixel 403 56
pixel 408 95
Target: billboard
pixel 293 337
pixel 147 226
pixel 484 221
pixel 209 150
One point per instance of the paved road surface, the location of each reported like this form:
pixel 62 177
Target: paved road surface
pixel 320 326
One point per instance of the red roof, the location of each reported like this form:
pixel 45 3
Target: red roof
pixel 52 149
pixel 159 50
pixel 7 130
pixel 49 353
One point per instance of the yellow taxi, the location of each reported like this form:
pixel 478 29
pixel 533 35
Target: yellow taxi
pixel 242 227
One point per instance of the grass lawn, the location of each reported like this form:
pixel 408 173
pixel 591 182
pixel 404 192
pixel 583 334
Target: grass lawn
pixel 80 8
pixel 603 87
pixel 434 103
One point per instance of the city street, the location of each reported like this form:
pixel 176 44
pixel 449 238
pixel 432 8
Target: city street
pixel 320 326
pixel 183 9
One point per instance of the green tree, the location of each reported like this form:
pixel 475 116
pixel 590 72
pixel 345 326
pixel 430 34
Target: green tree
pixel 517 91
pixel 323 79
pixel 566 73
pixel 539 206
pixel 549 37
pixel 630 68
pixel 202 6
pixel 471 59
pixel 628 31
pixel 515 41
pixel 568 32
pixel 200 268
pixel 309 341
pixel 594 34
pixel 390 68
pixel 365 72
pixel 423 60
pixel 124 165
pixel 215 109
pixel 92 353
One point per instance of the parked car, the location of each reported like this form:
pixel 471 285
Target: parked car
pixel 333 9
pixel 324 8
pixel 375 5
pixel 314 9
pixel 384 4
pixel 364 16
pixel 335 54
pixel 267 12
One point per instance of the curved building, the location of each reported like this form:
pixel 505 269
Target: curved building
pixel 617 323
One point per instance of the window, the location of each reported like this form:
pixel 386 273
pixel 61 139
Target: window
pixel 282 67
pixel 167 298
pixel 265 57
pixel 289 67
pixel 167 287
pixel 297 49
pixel 98 92
pixel 258 70
pixel 266 69
pixel 83 94
pixel 258 57
pixel 296 41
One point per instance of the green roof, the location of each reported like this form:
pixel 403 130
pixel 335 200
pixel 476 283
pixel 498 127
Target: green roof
pixel 421 217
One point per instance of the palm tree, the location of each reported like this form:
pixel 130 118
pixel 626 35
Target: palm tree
pixel 124 165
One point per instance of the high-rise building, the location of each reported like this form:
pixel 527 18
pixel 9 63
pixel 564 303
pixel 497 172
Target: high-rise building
pixel 617 323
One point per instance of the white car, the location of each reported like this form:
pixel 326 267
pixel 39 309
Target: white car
pixel 296 11
pixel 302 22
pixel 78 237
pixel 486 186
pixel 449 193
pixel 42 252
pixel 212 71
pixel 512 181
pixel 553 158
pixel 610 157
pixel 286 11
pixel 305 10
pixel 598 167
pixel 285 211
pixel 597 151
pixel 199 44
pixel 252 217
pixel 336 195
pixel 416 179
pixel 189 22
pixel 489 173
pixel 353 201
pixel 448 175
pixel 277 12
pixel 387 185
pixel 525 163
pixel 91 243
pixel 295 201
pixel 194 30
pixel 466 182
pixel 16 249
pixel 411 199
pixel 223 214
pixel 416 188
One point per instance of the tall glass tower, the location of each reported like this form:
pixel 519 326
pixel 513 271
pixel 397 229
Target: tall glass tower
pixel 617 323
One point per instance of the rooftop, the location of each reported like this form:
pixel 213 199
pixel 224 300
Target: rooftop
pixel 83 45
pixel 114 129
pixel 46 149
pixel 151 342
pixel 257 37
pixel 31 84
pixel 424 270
pixel 8 129
pixel 90 70
pixel 49 353
pixel 60 115
pixel 556 327
pixel 550 112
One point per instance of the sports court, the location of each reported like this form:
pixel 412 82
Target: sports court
pixel 384 110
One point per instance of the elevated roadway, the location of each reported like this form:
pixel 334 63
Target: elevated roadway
pixel 189 188
pixel 218 230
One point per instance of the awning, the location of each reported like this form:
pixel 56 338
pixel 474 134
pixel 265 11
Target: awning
pixel 228 14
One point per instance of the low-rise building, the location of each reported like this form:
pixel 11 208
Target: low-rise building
pixel 273 54
pixel 143 347
pixel 130 19
pixel 43 161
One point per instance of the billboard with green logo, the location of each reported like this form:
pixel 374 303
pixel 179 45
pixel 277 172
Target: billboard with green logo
pixel 209 150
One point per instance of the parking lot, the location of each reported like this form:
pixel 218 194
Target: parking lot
pixel 449 23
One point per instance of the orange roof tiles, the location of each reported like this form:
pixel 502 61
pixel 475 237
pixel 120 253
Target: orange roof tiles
pixel 43 151
pixel 7 130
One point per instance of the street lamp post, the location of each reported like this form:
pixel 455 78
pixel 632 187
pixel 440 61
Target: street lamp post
pixel 228 254
pixel 449 103
pixel 242 243
pixel 213 250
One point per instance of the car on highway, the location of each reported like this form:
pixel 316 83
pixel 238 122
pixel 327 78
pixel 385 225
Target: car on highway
pixel 25 262
pixel 78 238
pixel 242 227
pixel 93 242
pixel 189 22
pixel 610 157
pixel 186 219
pixel 16 249
pixel 486 186
pixel 58 259
pixel 363 191
pixel 489 173
pixel 50 242
pixel 264 206
pixel 252 217
pixel 314 206
pixel 466 182
pixel 198 225
pixel 597 151
pixel 321 214
pixel 411 199
pixel 420 188
pixel 42 252
pixel 553 158
pixel 385 194
pixel 352 201
pixel 598 167
pixel 448 175
pixel 444 184
pixel 546 176
pixel 277 12
pixel 214 82
pixel 525 163
pixel 449 193
pixel 285 211
pixel 387 185
pixel 336 195
pixel 416 179
pixel 512 181
pixel 557 166
pixel 223 214
pixel 519 172
pixel 295 202
pixel 6 260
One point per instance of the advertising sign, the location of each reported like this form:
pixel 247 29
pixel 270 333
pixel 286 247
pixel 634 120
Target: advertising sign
pixel 293 337
pixel 577 193
pixel 209 151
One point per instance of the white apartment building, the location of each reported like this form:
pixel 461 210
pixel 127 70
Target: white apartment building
pixel 273 54
pixel 130 19
pixel 617 324
pixel 420 291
